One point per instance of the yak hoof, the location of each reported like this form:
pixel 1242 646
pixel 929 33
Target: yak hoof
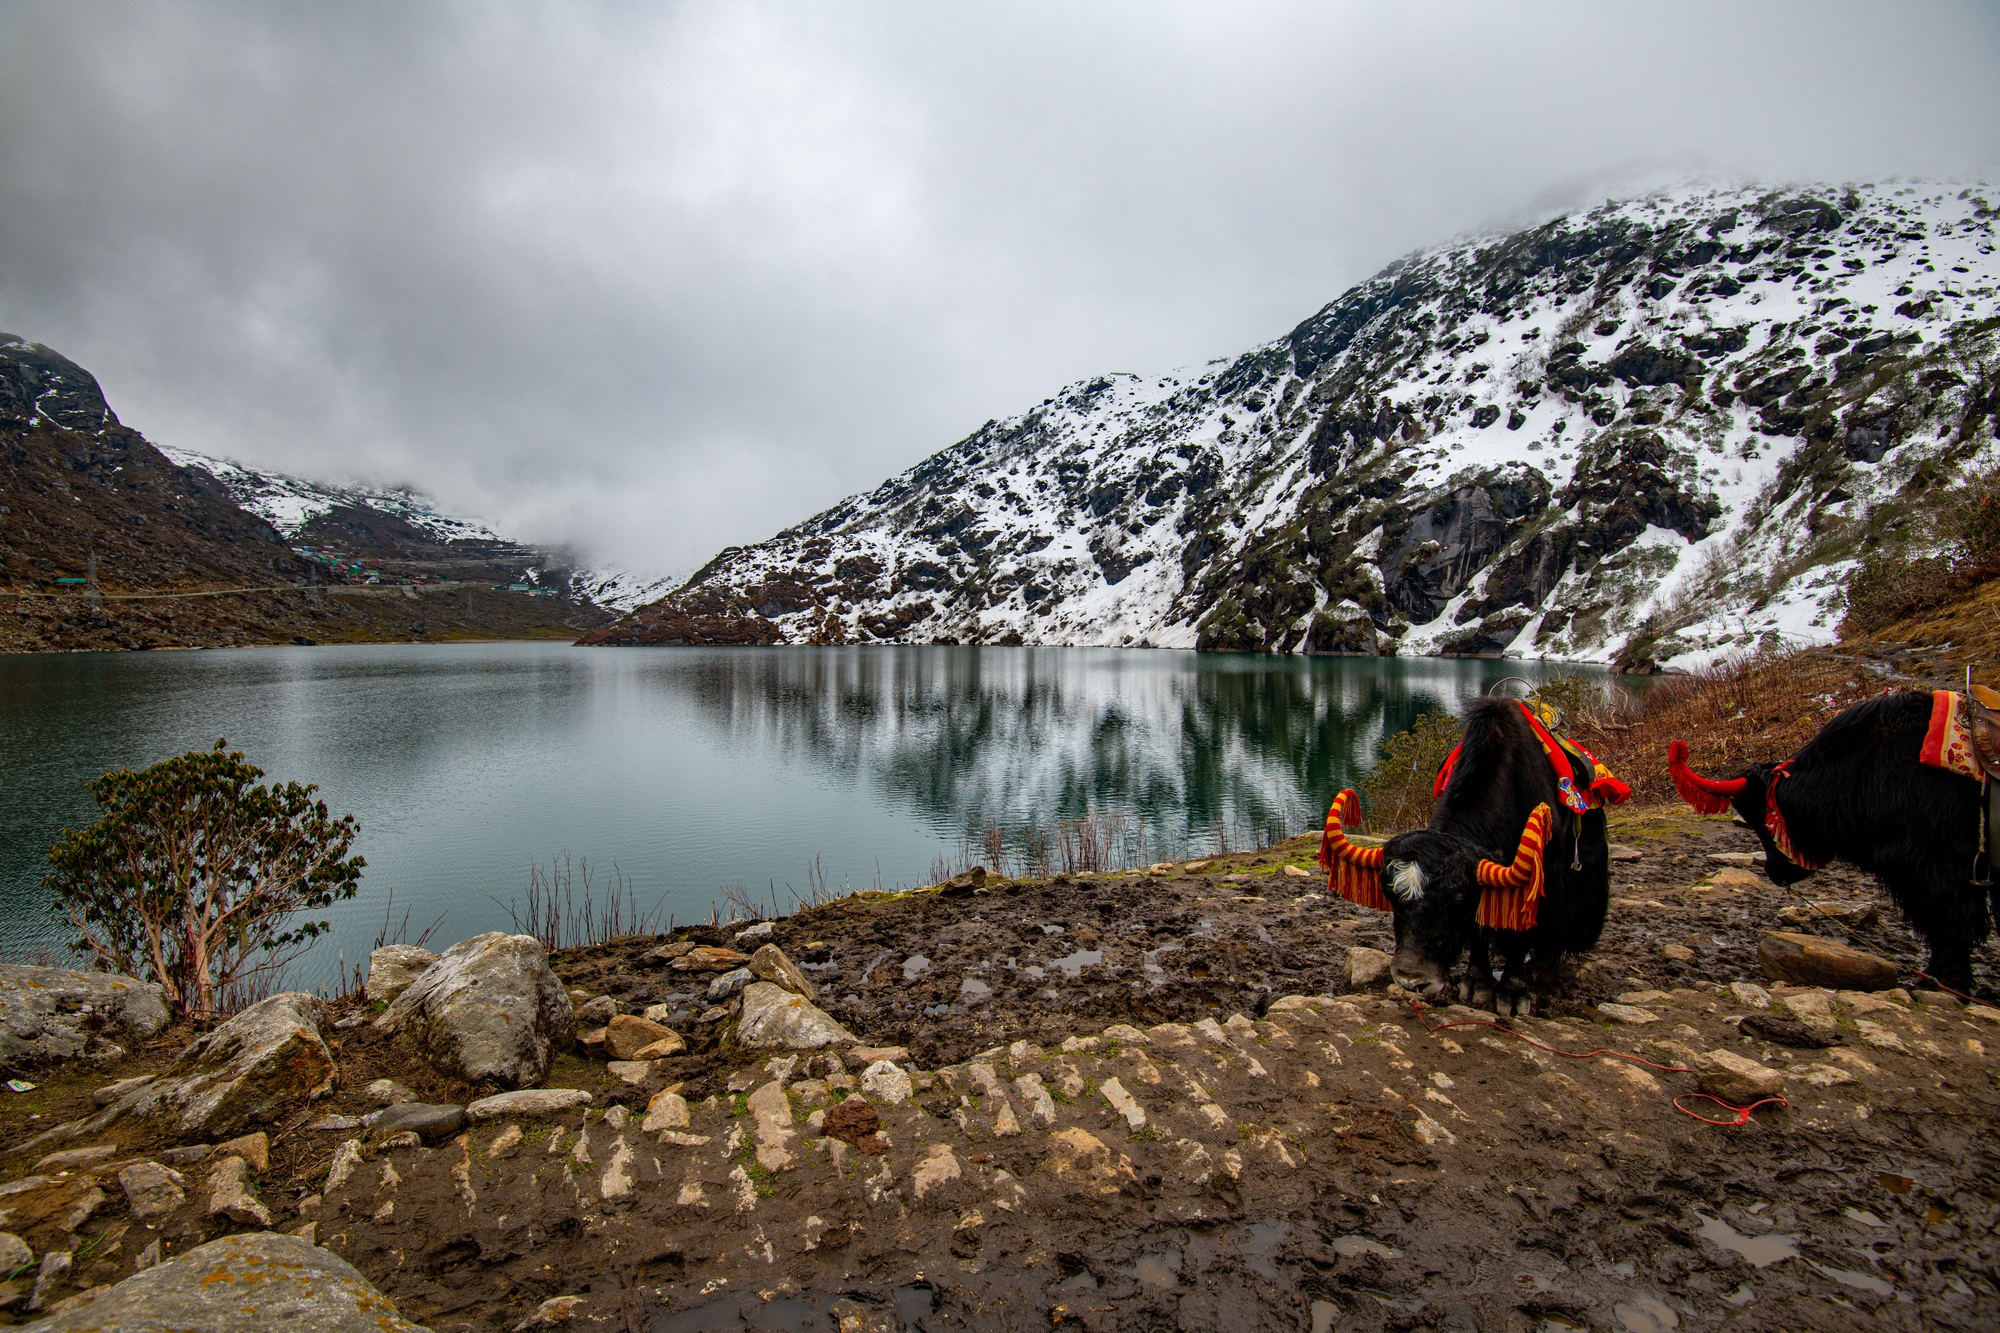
pixel 1511 1003
pixel 1482 997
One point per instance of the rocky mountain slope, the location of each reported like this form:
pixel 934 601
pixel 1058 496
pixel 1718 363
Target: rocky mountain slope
pixel 107 542
pixel 1648 434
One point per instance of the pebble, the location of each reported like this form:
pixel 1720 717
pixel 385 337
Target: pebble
pixel 152 1190
pixel 938 1166
pixel 71 1159
pixel 252 1148
pixel 728 985
pixel 1874 1034
pixel 429 1123
pixel 505 1144
pixel 1122 1102
pixel 708 958
pixel 1680 953
pixel 595 1012
pixel 1626 1013
pixel 1620 852
pixel 869 1055
pixel 1750 994
pixel 51 1275
pixel 336 1123
pixel 1296 873
pixel 1365 967
pixel 627 1035
pixel 230 1195
pixel 630 1072
pixel 659 1013
pixel 14 1252
pixel 761 930
pixel 667 1110
pixel 1738 1080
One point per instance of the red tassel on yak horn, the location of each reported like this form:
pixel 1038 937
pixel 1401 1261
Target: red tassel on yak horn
pixel 1355 873
pixel 1709 796
pixel 1513 895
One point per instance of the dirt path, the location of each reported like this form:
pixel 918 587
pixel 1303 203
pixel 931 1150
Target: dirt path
pixel 1130 1105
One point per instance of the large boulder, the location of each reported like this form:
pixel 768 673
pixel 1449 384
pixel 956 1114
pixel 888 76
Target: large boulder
pixel 488 1010
pixel 393 967
pixel 50 1014
pixel 251 1283
pixel 257 1067
pixel 774 1019
pixel 1809 960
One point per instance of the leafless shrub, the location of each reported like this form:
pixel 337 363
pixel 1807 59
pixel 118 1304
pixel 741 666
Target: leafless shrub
pixel 561 917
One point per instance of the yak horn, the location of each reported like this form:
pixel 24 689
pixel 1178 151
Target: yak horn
pixel 1513 892
pixel 1355 873
pixel 1709 796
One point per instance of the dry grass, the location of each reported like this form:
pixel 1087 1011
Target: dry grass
pixel 1752 710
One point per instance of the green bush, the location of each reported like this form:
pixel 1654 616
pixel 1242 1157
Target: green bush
pixel 194 872
pixel 1398 789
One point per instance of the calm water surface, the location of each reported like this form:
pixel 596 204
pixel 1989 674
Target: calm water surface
pixel 690 769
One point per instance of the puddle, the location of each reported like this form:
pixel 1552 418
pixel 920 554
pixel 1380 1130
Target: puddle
pixel 1360 1247
pixel 787 1315
pixel 1072 966
pixel 1159 1270
pixel 1555 1323
pixel 1761 1251
pixel 1533 1283
pixel 1052 930
pixel 1895 1184
pixel 914 1302
pixel 1262 1243
pixel 1864 1217
pixel 974 992
pixel 1858 1281
pixel 1646 1314
pixel 1743 1295
pixel 1323 1315
pixel 915 966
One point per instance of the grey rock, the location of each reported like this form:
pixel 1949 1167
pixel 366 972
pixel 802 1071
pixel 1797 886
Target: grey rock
pixel 252 1283
pixel 596 1011
pixel 230 1195
pixel 387 1092
pixel 152 1190
pixel 761 931
pixel 770 964
pixel 729 984
pixel 13 1252
pixel 191 1155
pixel 774 1019
pixel 527 1102
pixel 1366 967
pixel 393 968
pixel 488 1010
pixel 53 1272
pixel 429 1123
pixel 46 1013
pixel 255 1068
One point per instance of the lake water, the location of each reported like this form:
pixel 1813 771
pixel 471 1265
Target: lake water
pixel 691 769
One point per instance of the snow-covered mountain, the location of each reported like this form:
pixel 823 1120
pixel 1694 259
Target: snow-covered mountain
pixel 1651 433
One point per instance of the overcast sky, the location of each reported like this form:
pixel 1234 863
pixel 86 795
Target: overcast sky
pixel 653 279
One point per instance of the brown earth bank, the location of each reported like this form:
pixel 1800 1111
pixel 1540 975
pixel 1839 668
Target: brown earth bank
pixel 1127 1102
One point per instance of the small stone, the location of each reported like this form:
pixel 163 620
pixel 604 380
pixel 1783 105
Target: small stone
pixel 1125 1035
pixel 1825 1076
pixel 148 1257
pixel 1737 1080
pixel 709 958
pixel 112 1092
pixel 431 1124
pixel 1122 1102
pixel 1861 1002
pixel 631 1072
pixel 625 1036
pixel 230 1196
pixel 73 1158
pixel 1297 872
pixel 1005 1123
pixel 1855 915
pixel 1365 967
pixel 252 1148
pixel 309 1233
pixel 14 1252
pixel 1646 997
pixel 1627 1013
pixel 505 1144
pixel 554 1310
pixel 347 1159
pixel 667 1110
pixel 1785 1031
pixel 938 1166
pixel 617 1117
pixel 886 1082
pixel 592 1040
pixel 729 985
pixel 770 964
pixel 1736 858
pixel 1985 1013
pixel 1750 995
pixel 1080 1159
pixel 527 1102
pixel 1809 960
pixel 1079 1045
pixel 666 953
pixel 1040 1106
pixel 1680 953
pixel 50 1277
pixel 596 1012
pixel 776 1019
pixel 868 1055
pixel 761 931
pixel 1621 852
pixel 387 1092
pixel 336 1124
pixel 659 1013
pixel 1195 867
pixel 150 1189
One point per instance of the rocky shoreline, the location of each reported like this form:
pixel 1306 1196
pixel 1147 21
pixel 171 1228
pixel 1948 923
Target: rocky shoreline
pixel 1182 1097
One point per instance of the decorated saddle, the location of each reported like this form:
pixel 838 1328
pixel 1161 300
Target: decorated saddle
pixel 1964 735
pixel 1585 783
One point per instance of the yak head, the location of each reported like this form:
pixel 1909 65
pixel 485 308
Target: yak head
pixel 1745 794
pixel 1440 889
pixel 1431 882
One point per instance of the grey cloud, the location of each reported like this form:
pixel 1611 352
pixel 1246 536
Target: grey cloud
pixel 652 280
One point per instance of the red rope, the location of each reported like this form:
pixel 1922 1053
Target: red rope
pixel 1742 1113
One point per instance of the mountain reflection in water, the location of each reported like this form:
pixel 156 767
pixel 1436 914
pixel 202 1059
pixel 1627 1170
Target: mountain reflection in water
pixel 693 768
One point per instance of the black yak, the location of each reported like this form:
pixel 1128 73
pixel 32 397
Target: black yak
pixel 1860 792
pixel 1478 877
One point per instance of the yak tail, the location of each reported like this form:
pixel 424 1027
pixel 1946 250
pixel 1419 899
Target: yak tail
pixel 1355 873
pixel 1513 892
pixel 1709 796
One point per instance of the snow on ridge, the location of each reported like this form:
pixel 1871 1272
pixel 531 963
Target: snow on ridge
pixel 289 503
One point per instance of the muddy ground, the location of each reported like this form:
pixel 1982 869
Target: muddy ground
pixel 1227 1158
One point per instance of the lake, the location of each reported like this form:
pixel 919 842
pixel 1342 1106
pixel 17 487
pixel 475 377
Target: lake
pixel 701 774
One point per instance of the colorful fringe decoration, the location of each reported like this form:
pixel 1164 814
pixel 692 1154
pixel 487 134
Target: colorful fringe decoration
pixel 1948 743
pixel 1774 820
pixel 1602 788
pixel 1708 796
pixel 1513 895
pixel 1355 873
